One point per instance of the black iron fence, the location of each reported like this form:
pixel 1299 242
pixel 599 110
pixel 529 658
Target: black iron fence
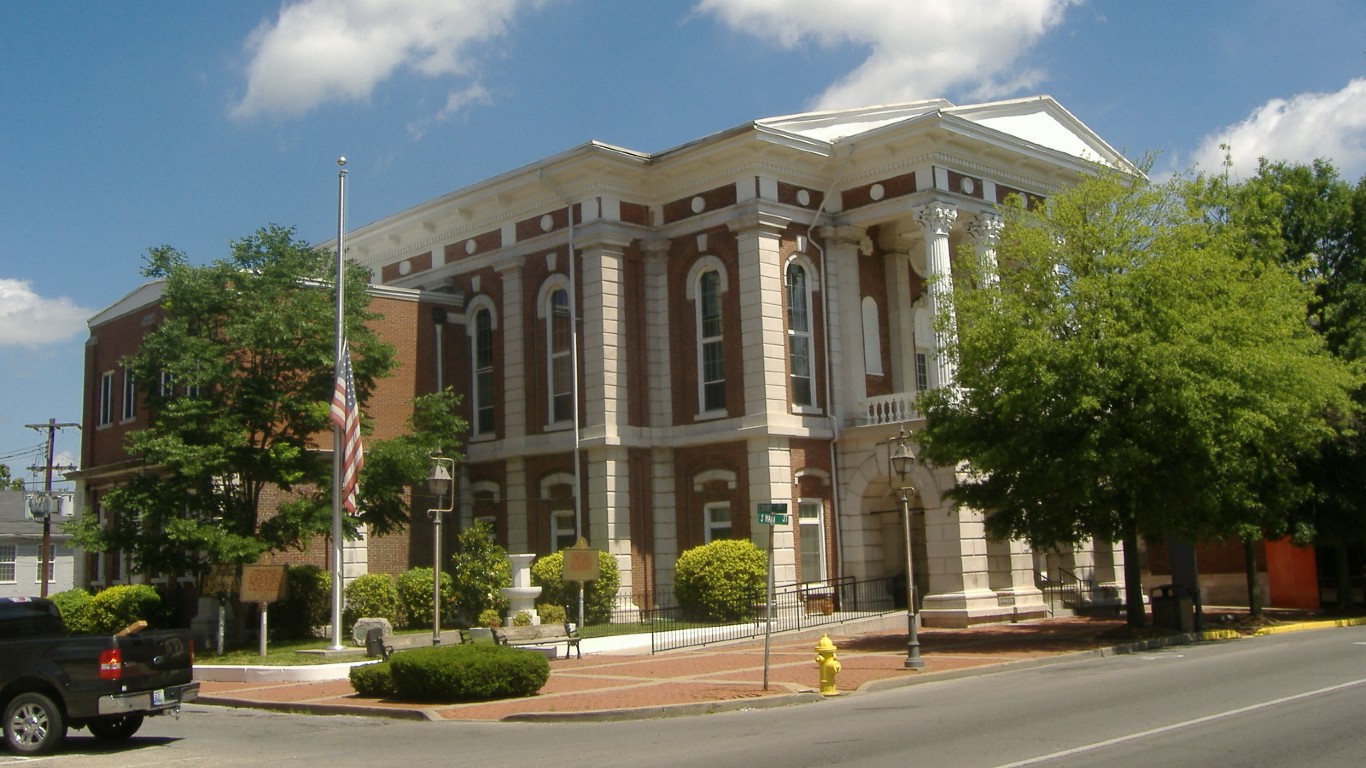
pixel 796 606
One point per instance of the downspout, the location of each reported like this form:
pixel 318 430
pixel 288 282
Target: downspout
pixel 829 377
pixel 573 367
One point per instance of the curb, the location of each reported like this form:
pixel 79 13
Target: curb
pixel 1302 626
pixel 667 710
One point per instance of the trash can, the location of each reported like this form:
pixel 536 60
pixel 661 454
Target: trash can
pixel 1172 610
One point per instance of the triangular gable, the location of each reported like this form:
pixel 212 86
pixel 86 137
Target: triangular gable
pixel 843 123
pixel 1041 120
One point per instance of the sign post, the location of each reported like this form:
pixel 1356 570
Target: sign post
pixel 263 585
pixel 580 565
pixel 770 514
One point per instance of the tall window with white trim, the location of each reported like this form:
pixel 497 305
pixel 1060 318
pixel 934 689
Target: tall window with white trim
pixel 812 539
pixel 558 365
pixel 9 558
pixel 799 334
pixel 717 521
pixel 562 533
pixel 130 396
pixel 710 352
pixel 105 413
pixel 482 367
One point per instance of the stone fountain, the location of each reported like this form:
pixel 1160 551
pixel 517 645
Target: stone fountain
pixel 522 594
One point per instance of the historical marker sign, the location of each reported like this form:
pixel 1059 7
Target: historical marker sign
pixel 264 583
pixel 580 562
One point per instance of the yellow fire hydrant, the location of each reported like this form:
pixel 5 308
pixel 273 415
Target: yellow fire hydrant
pixel 829 665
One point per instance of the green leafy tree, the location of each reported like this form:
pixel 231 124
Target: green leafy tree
pixel 8 482
pixel 238 377
pixel 479 569
pixel 1316 225
pixel 1130 371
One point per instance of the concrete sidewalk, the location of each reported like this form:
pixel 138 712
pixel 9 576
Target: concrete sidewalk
pixel 627 683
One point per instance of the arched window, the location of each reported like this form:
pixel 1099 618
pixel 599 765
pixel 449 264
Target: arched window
pixel 799 334
pixel 710 351
pixel 560 381
pixel 481 364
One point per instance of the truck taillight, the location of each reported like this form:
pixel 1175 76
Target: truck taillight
pixel 111 664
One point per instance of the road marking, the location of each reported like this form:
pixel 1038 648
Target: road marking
pixel 1179 726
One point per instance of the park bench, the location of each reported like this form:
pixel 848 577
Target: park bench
pixel 539 634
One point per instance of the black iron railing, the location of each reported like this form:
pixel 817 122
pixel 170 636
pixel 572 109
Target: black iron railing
pixel 794 607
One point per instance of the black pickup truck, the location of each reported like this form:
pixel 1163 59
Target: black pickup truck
pixel 51 680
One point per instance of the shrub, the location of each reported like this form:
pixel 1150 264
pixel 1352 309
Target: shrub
pixel 74 605
pixel 307 605
pixel 467 673
pixel 489 617
pixel 551 613
pixel 415 598
pixel 599 595
pixel 371 595
pixel 374 681
pixel 522 619
pixel 115 608
pixel 721 580
pixel 479 568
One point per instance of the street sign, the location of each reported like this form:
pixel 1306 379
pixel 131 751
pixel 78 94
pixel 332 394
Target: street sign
pixel 773 514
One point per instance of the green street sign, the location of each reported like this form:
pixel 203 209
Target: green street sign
pixel 773 514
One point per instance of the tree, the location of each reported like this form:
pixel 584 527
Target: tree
pixel 479 570
pixel 9 483
pixel 1129 372
pixel 237 377
pixel 1318 226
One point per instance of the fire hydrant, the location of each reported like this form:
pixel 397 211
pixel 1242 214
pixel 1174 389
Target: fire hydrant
pixel 829 665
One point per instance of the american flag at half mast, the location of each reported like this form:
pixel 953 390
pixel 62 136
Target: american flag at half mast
pixel 345 413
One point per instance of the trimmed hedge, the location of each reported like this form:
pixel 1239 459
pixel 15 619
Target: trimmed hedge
pixel 462 673
pixel 113 609
pixel 373 681
pixel 415 598
pixel 371 595
pixel 308 605
pixel 721 580
pixel 74 606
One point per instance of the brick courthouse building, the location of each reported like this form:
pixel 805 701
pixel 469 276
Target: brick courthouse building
pixel 753 325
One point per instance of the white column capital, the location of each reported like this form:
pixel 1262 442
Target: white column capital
pixel 985 229
pixel 937 218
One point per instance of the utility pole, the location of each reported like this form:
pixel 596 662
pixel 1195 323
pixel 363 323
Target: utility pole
pixel 51 426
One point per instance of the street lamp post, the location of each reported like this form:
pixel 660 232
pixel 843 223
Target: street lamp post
pixel 439 483
pixel 902 458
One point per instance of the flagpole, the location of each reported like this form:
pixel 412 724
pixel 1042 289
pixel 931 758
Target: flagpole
pixel 337 437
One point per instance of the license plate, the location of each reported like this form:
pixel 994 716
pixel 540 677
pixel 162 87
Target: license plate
pixel 158 697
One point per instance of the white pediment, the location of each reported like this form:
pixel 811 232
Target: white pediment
pixel 1037 120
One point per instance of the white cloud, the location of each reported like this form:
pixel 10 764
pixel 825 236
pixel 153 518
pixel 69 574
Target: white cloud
pixel 30 320
pixel 320 51
pixel 1331 126
pixel 917 48
pixel 456 101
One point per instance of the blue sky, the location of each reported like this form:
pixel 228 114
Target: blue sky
pixel 130 125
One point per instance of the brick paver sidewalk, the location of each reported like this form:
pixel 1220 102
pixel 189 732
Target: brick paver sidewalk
pixel 709 678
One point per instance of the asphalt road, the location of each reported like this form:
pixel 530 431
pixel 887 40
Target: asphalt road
pixel 1295 699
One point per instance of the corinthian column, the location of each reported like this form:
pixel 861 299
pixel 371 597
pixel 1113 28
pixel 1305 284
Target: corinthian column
pixel 937 219
pixel 985 231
